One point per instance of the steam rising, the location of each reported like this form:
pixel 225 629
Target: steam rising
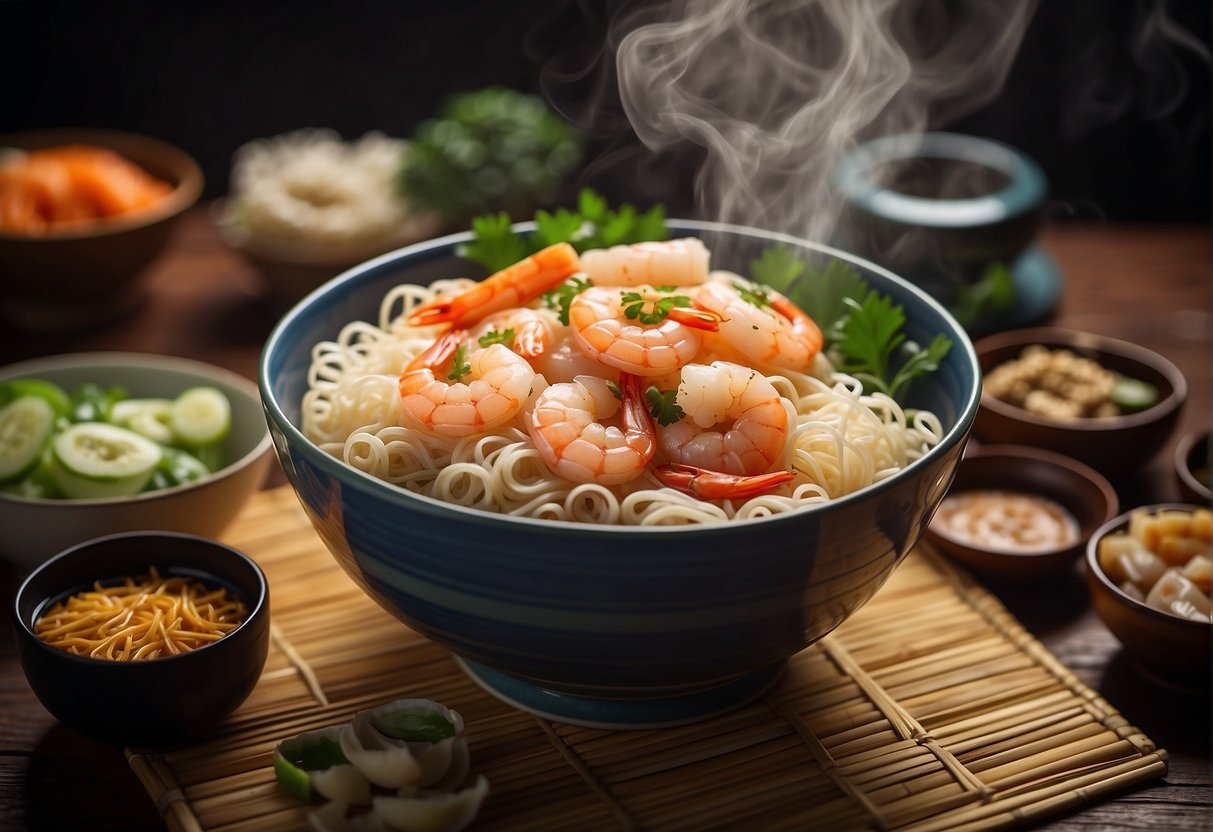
pixel 776 91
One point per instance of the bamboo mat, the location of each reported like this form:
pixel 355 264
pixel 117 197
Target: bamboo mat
pixel 929 709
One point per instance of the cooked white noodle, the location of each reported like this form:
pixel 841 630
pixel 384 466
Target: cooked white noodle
pixel 844 439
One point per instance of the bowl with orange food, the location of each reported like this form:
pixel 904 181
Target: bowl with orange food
pixel 83 212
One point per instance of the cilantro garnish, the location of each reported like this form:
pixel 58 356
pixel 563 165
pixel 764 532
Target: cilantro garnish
pixel 461 366
pixel 495 244
pixel 491 337
pixel 870 335
pixel 663 405
pixel 562 296
pixel 778 266
pixel 634 304
pixel 758 296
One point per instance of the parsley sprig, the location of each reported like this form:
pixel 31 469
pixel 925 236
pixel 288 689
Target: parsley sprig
pixel 663 405
pixel 594 224
pixel 562 296
pixel 863 329
pixel 634 307
pixel 460 364
pixel 505 336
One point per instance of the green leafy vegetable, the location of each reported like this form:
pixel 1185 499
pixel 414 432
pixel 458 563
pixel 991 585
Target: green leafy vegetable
pixel 495 245
pixel 562 296
pixel 634 307
pixel 414 726
pixel 778 267
pixel 993 292
pixel 663 405
pixel 870 336
pixel 460 367
pixel 506 337
pixel 488 150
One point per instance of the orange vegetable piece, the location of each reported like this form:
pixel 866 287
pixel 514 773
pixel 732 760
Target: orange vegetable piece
pixel 71 184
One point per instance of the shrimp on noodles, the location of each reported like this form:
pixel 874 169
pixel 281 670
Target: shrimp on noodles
pixel 475 397
pixel 734 421
pixel 525 331
pixel 512 286
pixel 681 262
pixel 567 427
pixel 713 485
pixel 564 361
pixel 760 324
pixel 600 323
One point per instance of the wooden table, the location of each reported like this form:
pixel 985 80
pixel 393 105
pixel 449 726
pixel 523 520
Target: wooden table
pixel 1149 285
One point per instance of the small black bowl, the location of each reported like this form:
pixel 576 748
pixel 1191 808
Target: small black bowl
pixel 155 703
pixel 1193 459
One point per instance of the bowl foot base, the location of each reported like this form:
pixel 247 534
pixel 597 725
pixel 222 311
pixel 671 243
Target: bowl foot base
pixel 623 714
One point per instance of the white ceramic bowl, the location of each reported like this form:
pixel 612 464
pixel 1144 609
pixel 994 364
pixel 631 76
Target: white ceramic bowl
pixel 35 530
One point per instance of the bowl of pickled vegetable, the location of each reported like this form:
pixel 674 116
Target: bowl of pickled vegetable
pixel 83 213
pixel 1148 571
pixel 1106 402
pixel 101 443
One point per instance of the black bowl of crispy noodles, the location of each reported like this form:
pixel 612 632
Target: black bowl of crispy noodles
pixel 171 699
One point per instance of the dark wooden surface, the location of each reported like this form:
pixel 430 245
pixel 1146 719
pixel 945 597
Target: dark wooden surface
pixel 1149 285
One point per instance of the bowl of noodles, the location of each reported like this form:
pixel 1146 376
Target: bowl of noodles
pixel 605 536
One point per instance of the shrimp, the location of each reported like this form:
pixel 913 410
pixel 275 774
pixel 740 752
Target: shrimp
pixel 512 286
pixel 499 384
pixel 525 331
pixel 734 421
pixel 566 426
pixel 599 321
pixel 713 485
pixel 681 262
pixel 760 323
pixel 564 361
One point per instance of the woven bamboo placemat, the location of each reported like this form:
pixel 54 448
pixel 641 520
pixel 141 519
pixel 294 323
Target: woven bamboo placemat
pixel 929 709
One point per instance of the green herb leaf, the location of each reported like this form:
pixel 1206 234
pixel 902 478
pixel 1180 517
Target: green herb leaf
pixel 778 266
pixel 649 312
pixel 616 391
pixel 758 296
pixel 414 726
pixel 663 405
pixel 461 366
pixel 562 296
pixel 868 336
pixel 560 227
pixel 491 337
pixel 920 363
pixel 993 292
pixel 494 244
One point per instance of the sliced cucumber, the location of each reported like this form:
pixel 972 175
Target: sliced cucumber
pixel 25 425
pixel 1132 395
pixel 149 417
pixel 201 416
pixel 55 395
pixel 93 459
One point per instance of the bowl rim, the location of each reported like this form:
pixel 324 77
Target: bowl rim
pixel 1025 191
pixel 1183 451
pixel 141 360
pixel 353 477
pixel 1096 571
pixel 1017 453
pixel 258 606
pixel 184 194
pixel 1079 340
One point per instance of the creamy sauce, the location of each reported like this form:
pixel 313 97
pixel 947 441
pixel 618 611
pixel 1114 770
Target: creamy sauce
pixel 1007 520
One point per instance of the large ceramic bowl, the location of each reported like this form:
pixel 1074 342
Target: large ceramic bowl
pixel 599 624
pixel 35 529
pixel 83 276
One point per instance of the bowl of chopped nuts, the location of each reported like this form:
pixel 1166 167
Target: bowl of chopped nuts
pixel 1106 402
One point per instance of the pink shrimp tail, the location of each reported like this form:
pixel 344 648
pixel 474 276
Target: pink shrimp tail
pixel 713 485
pixel 803 326
pixel 439 352
pixel 638 424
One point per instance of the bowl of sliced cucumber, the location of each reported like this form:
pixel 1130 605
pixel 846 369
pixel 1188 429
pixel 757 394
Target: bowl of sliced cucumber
pixel 93 444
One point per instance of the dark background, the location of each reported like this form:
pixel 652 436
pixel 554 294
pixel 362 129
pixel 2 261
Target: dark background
pixel 1116 112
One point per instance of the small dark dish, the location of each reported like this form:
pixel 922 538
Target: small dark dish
pixel 1192 467
pixel 1112 445
pixel 152 703
pixel 1174 648
pixel 85 276
pixel 1083 492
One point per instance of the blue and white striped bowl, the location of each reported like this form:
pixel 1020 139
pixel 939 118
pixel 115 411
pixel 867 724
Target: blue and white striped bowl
pixel 611 625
